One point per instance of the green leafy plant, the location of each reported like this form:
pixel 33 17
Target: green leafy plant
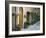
pixel 35 17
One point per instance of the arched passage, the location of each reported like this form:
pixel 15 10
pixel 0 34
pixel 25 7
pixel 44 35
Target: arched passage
pixel 20 18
